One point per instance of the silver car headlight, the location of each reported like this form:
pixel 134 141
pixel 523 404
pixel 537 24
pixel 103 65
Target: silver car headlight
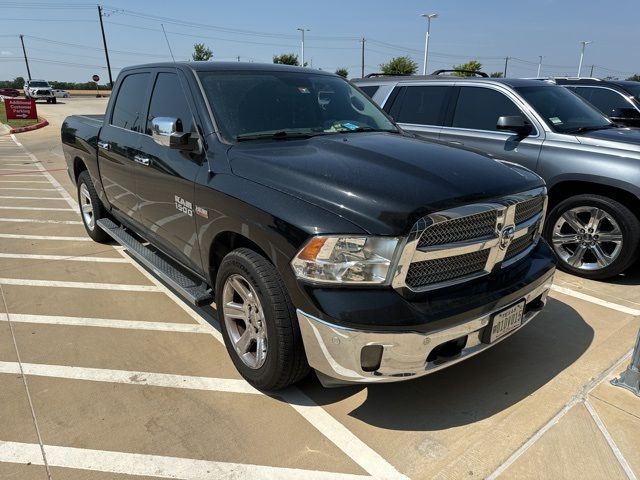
pixel 346 259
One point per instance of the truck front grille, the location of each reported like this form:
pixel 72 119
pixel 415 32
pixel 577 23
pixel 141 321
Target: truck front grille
pixel 520 244
pixel 529 208
pixel 440 270
pixel 452 246
pixel 460 229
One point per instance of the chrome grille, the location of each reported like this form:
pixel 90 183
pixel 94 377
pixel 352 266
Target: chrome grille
pixel 439 270
pixel 520 244
pixel 529 208
pixel 460 229
pixel 451 246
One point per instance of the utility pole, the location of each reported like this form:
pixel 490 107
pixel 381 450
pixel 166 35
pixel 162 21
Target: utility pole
pixel 362 58
pixel 539 66
pixel 104 41
pixel 584 45
pixel 238 57
pixel 302 30
pixel 592 67
pixel 25 57
pixel 506 64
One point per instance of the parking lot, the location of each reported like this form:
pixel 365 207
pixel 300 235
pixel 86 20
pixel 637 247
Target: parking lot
pixel 107 374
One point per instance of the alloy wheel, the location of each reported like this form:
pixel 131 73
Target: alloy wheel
pixel 87 207
pixel 244 321
pixel 587 238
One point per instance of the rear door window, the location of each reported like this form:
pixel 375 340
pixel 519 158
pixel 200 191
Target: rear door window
pixel 129 107
pixel 479 108
pixel 422 105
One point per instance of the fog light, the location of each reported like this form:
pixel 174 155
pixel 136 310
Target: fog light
pixel 370 358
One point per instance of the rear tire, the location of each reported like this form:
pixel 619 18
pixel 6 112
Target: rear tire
pixel 91 208
pixel 258 321
pixel 54 100
pixel 604 252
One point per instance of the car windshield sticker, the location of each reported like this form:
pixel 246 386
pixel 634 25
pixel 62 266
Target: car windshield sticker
pixel 555 121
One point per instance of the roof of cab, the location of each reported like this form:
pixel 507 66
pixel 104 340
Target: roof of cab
pixel 216 66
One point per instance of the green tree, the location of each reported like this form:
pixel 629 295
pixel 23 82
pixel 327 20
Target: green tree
pixel 634 78
pixel 471 65
pixel 18 82
pixel 343 72
pixel 399 66
pixel 496 75
pixel 201 53
pixel 287 59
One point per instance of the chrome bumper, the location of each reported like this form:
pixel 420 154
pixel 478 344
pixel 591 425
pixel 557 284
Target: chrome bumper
pixel 335 351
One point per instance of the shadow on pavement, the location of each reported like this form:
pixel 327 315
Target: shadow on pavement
pixel 478 387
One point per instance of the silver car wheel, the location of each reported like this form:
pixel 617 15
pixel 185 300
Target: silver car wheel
pixel 87 207
pixel 587 238
pixel 244 321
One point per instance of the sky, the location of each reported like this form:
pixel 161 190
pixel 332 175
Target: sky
pixel 63 39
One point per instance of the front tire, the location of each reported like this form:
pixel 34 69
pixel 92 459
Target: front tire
pixel 91 208
pixel 258 321
pixel 593 236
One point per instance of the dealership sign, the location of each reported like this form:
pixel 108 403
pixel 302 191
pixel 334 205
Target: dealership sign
pixel 20 108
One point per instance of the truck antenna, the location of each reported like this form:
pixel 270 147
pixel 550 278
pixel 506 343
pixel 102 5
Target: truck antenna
pixel 184 92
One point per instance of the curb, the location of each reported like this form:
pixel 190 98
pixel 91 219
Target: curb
pixel 42 123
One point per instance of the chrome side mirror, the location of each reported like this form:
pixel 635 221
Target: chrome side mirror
pixel 162 128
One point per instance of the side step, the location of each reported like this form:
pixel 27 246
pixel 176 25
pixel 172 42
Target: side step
pixel 195 291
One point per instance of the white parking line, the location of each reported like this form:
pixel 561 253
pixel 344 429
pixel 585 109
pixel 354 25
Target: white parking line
pixel 30 198
pixel 596 300
pixel 612 444
pixel 45 237
pixel 23 181
pixel 32 256
pixel 83 285
pixel 104 322
pixel 156 465
pixel 40 220
pixel 29 189
pixel 13 175
pixel 188 382
pixel 38 209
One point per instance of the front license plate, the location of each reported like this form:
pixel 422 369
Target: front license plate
pixel 505 321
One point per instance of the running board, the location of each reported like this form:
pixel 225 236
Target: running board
pixel 195 291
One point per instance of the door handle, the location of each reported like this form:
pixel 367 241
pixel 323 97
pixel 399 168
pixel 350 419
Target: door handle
pixel 141 160
pixel 103 145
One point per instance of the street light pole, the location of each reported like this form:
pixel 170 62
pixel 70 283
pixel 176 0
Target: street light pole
pixel 539 66
pixel 584 45
pixel 25 56
pixel 104 41
pixel 302 30
pixel 428 16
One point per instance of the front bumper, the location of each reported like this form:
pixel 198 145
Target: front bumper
pixel 335 352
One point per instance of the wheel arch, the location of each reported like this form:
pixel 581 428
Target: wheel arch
pixel 79 166
pixel 565 189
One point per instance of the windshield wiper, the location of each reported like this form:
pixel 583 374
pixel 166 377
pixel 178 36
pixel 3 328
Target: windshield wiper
pixel 366 129
pixel 281 135
pixel 592 128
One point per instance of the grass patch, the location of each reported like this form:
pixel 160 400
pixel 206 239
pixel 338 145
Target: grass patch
pixel 14 123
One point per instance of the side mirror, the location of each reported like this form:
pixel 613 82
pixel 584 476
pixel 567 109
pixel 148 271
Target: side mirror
pixel 164 131
pixel 513 123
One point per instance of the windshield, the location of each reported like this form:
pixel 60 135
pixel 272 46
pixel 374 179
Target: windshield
pixel 255 104
pixel 562 110
pixel 39 84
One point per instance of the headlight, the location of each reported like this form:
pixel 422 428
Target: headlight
pixel 341 259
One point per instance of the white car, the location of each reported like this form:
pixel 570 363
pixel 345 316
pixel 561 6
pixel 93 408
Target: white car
pixel 39 90
pixel 61 93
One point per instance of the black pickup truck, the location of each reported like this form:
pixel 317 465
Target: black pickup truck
pixel 326 236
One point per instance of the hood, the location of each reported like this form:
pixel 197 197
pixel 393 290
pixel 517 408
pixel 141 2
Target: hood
pixel 382 182
pixel 623 138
